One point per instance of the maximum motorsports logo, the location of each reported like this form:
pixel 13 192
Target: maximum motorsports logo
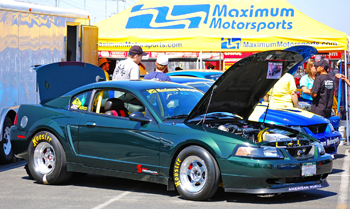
pixel 173 17
pixel 230 43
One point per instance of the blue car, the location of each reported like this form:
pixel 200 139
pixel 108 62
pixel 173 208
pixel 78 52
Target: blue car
pixel 305 121
pixel 207 74
pixel 201 84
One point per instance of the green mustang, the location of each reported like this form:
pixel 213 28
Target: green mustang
pixel 168 133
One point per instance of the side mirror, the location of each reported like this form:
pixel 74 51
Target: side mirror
pixel 139 117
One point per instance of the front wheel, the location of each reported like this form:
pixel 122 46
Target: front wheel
pixel 6 152
pixel 196 173
pixel 47 160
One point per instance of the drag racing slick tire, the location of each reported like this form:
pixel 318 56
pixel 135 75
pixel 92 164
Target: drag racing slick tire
pixel 196 174
pixel 6 152
pixel 46 159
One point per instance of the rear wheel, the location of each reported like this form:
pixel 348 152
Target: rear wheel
pixel 6 152
pixel 47 160
pixel 196 174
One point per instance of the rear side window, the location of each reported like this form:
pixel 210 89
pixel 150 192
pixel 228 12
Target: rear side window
pixel 80 101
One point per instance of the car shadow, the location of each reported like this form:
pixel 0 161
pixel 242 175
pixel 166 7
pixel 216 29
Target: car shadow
pixel 18 163
pixel 334 171
pixel 113 183
pixel 293 197
pixel 339 156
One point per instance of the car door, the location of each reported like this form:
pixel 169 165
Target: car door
pixel 115 142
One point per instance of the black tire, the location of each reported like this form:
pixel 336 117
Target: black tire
pixel 196 173
pixel 6 152
pixel 28 171
pixel 47 160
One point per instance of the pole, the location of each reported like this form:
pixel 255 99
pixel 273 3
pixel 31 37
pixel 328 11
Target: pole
pixel 223 64
pixel 220 62
pixel 340 81
pixel 201 60
pixel 117 6
pixel 346 99
pixel 85 5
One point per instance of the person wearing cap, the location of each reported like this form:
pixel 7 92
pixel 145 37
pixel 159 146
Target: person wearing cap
pixel 104 64
pixel 129 68
pixel 159 73
pixel 322 91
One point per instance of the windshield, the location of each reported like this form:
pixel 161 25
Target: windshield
pixel 203 87
pixel 213 76
pixel 172 102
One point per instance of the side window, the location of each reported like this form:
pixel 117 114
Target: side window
pixel 117 103
pixel 81 101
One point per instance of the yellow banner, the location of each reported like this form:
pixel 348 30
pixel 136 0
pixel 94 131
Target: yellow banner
pixel 215 25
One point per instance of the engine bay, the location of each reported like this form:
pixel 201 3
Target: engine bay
pixel 296 143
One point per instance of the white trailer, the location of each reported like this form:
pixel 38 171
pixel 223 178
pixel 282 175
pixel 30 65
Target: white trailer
pixel 33 35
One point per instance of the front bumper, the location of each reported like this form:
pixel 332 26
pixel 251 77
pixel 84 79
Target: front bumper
pixel 330 141
pixel 283 188
pixel 262 176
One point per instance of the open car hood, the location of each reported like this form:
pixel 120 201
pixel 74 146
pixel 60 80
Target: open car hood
pixel 59 78
pixel 245 83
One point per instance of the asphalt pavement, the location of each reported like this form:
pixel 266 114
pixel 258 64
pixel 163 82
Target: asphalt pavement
pixel 94 191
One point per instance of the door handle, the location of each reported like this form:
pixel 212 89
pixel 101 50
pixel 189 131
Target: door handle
pixel 91 123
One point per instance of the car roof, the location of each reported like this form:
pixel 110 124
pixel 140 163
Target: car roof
pixel 194 72
pixel 131 85
pixel 189 79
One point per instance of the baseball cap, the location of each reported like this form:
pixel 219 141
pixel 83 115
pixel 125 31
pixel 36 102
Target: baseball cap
pixel 137 50
pixel 102 61
pixel 162 59
pixel 322 63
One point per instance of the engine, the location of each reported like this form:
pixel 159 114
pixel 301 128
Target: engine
pixel 294 142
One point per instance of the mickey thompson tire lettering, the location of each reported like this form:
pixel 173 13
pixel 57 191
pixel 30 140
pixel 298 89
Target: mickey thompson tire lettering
pixel 196 174
pixel 46 159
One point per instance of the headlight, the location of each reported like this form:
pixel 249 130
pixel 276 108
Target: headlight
pixel 330 126
pixel 258 152
pixel 320 148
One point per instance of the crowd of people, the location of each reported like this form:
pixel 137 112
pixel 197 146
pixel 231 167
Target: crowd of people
pixel 317 85
pixel 317 89
pixel 132 68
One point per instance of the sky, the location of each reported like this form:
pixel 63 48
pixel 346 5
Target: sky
pixel 332 13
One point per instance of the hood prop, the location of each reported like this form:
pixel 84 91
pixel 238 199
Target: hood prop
pixel 206 111
pixel 267 108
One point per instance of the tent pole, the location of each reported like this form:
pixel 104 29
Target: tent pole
pixel 220 61
pixel 201 60
pixel 346 99
pixel 223 64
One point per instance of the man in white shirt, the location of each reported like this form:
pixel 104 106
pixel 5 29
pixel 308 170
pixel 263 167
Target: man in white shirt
pixel 129 69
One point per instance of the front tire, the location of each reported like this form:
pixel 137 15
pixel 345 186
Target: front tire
pixel 196 174
pixel 47 160
pixel 6 152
